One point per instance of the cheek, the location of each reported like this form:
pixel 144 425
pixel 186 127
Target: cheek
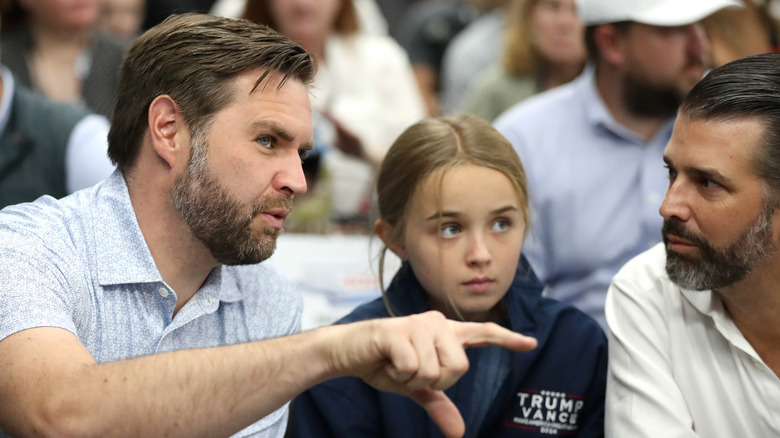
pixel 427 264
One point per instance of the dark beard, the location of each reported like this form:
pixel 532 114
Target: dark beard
pixel 716 268
pixel 646 100
pixel 220 222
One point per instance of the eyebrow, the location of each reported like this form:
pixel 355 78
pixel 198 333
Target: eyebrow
pixel 282 132
pixel 712 174
pixel 453 214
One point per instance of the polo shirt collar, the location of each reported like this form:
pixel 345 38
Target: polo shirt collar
pixel 123 257
pixel 599 117
pixel 122 253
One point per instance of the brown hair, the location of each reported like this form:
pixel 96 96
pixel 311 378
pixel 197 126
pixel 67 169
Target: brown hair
pixel 193 58
pixel 259 11
pixel 431 147
pixel 519 57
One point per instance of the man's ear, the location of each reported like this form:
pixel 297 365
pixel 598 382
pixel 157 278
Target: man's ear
pixel 610 42
pixel 165 123
pixel 384 230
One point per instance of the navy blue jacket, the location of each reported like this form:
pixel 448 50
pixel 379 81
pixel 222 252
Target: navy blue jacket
pixel 556 389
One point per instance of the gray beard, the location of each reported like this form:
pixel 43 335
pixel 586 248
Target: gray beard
pixel 716 268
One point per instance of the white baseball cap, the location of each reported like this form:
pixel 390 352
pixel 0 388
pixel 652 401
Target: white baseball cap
pixel 652 12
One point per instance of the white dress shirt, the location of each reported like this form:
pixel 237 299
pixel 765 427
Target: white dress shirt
pixel 678 366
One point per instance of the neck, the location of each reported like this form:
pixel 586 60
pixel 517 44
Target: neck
pixel 58 40
pixel 610 87
pixel 183 261
pixel 754 306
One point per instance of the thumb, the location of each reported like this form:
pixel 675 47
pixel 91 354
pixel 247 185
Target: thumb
pixel 442 411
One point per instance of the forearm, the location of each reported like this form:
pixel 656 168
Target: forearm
pixel 207 392
pixel 50 385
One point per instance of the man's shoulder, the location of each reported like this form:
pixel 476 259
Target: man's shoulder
pixel 47 220
pixel 556 106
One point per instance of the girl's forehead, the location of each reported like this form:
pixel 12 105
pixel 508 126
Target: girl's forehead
pixel 462 183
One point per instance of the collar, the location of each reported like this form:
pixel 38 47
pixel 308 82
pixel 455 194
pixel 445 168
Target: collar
pixel 123 257
pixel 600 118
pixel 710 305
pixel 407 296
pixel 122 253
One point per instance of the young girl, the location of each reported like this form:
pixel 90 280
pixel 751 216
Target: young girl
pixel 454 207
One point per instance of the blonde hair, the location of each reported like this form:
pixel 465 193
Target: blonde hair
pixel 431 147
pixel 519 57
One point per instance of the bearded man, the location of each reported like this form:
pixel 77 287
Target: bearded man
pixel 592 149
pixel 140 307
pixel 695 321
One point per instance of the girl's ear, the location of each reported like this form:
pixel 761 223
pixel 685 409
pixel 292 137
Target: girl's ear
pixel 384 230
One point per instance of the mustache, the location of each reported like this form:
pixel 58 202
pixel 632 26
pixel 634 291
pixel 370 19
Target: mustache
pixel 277 201
pixel 676 228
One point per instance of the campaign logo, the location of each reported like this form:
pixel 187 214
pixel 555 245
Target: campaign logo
pixel 548 412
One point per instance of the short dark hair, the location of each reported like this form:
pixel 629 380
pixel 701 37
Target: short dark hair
pixel 745 88
pixel 193 58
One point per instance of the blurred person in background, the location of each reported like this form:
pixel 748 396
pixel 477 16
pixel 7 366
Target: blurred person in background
pixel 121 18
pixel 471 51
pixel 738 33
pixel 52 47
pixel 593 148
pixel 544 47
pixel 425 31
pixel 159 10
pixel 370 17
pixel 364 95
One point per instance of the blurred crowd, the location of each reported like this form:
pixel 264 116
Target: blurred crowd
pixel 382 65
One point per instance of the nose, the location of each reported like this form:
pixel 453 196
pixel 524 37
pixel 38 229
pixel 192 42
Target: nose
pixel 290 178
pixel 674 204
pixel 478 253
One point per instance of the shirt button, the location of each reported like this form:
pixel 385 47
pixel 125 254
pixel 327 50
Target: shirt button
pixel 163 292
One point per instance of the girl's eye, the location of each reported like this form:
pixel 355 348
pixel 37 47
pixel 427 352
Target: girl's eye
pixel 265 141
pixel 449 231
pixel 501 225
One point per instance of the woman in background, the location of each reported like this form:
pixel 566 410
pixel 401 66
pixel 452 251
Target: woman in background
pixel 52 47
pixel 544 48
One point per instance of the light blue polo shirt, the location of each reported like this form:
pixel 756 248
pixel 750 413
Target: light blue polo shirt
pixel 81 263
pixel 595 189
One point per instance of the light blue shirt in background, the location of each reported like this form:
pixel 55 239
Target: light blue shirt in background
pixel 82 264
pixel 595 190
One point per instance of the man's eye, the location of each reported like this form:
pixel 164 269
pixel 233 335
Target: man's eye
pixel 710 184
pixel 672 173
pixel 265 141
